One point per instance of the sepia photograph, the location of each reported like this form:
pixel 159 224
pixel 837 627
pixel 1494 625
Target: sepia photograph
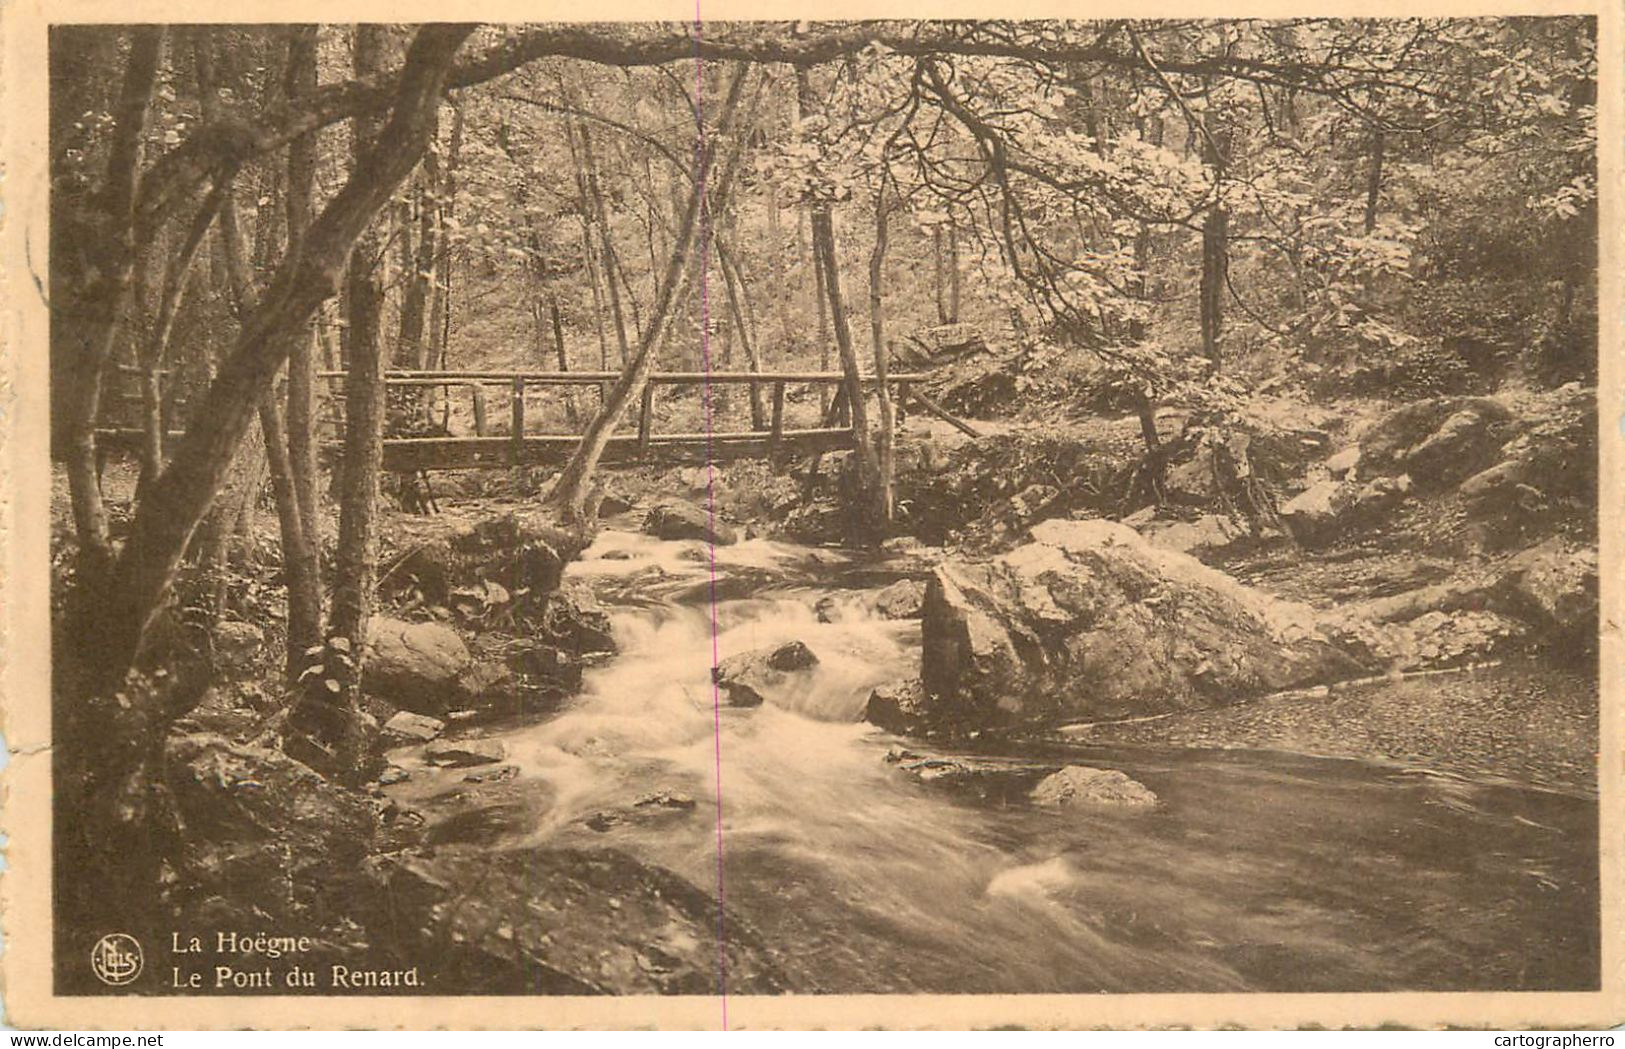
pixel 724 509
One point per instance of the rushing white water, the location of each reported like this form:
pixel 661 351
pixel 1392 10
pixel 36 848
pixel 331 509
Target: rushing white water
pixel 1256 871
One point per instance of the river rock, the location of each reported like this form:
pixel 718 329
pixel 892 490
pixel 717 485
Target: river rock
pixel 464 752
pixel 414 665
pixel 405 725
pixel 897 707
pixel 1343 463
pixel 1315 515
pixel 564 921
pixel 575 622
pixel 686 521
pixel 1091 621
pixel 748 678
pixel 484 684
pixel 1082 785
pixel 904 599
pixel 1554 587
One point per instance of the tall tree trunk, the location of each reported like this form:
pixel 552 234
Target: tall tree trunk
pixel 155 351
pixel 301 550
pixel 806 105
pixel 440 310
pixel 606 244
pixel 304 601
pixel 1215 249
pixel 738 308
pixel 939 274
pixel 877 334
pixel 823 232
pixel 570 491
pixel 1373 183
pixel 331 712
pixel 93 261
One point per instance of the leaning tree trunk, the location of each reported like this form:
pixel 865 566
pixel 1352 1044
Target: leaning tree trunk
pixel 570 491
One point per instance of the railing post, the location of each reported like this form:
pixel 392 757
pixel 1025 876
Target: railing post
pixel 479 409
pixel 518 418
pixel 646 420
pixel 603 395
pixel 776 436
pixel 900 408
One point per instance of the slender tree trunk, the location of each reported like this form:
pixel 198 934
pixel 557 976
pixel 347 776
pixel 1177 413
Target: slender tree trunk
pixel 823 231
pixel 299 560
pixel 356 562
pixel 570 491
pixel 1373 183
pixel 939 274
pixel 155 352
pixel 301 547
pixel 98 268
pixel 738 305
pixel 1215 251
pixel 953 272
pixel 440 311
pixel 877 334
pixel 606 245
pixel 806 104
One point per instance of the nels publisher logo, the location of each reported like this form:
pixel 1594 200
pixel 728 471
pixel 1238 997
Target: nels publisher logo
pixel 116 959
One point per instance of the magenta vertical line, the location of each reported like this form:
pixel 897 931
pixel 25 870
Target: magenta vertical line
pixel 700 166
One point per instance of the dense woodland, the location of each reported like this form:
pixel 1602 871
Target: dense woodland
pixel 1124 219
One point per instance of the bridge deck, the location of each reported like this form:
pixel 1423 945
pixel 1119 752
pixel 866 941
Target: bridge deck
pixel 458 453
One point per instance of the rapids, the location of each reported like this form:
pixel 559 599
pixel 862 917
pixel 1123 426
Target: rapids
pixel 1259 870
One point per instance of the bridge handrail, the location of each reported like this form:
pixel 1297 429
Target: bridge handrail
pixel 555 378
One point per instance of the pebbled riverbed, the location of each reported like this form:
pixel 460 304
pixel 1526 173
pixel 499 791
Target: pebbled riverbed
pixel 1259 870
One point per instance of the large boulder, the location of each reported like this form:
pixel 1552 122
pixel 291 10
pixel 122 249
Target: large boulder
pixel 686 521
pixel 748 678
pixel 415 666
pixel 897 706
pixel 575 622
pixel 904 599
pixel 1091 621
pixel 1438 442
pixel 1554 588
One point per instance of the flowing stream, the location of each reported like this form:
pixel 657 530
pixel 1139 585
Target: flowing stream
pixel 1258 871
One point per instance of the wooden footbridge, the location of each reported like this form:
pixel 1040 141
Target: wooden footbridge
pixel 517 445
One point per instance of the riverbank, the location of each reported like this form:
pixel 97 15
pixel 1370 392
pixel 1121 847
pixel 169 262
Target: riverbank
pixel 1529 722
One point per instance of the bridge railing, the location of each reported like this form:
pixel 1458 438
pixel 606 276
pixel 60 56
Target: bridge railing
pixel 484 448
